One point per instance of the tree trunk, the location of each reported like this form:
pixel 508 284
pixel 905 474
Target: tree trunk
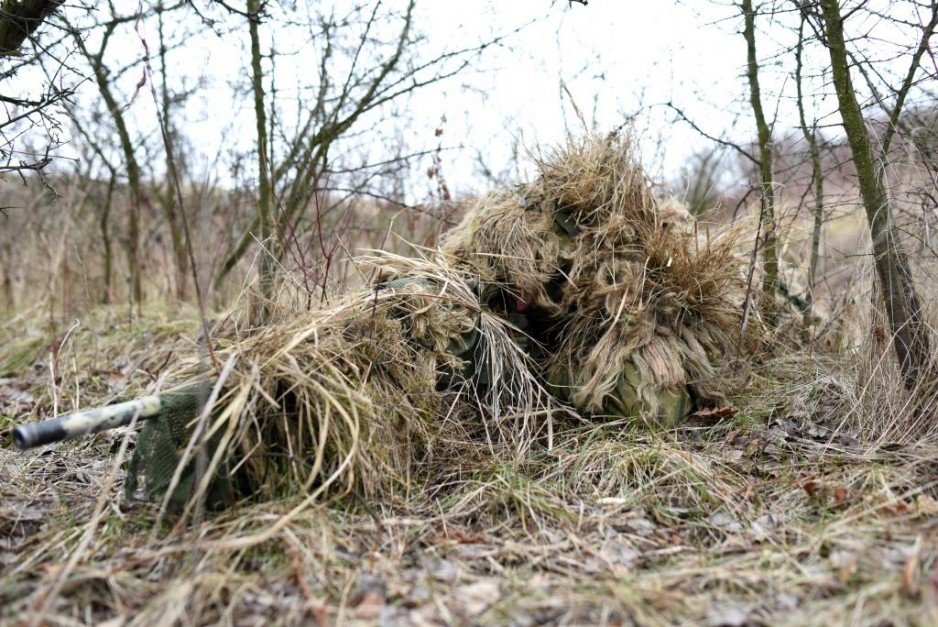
pixel 903 308
pixel 169 200
pixel 817 179
pixel 104 223
pixel 19 19
pixel 265 195
pixel 768 235
pixel 133 181
pixel 100 71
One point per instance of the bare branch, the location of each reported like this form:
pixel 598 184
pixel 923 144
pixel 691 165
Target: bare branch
pixel 927 31
pixel 719 140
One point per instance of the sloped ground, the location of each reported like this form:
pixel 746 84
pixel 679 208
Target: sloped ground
pixel 783 513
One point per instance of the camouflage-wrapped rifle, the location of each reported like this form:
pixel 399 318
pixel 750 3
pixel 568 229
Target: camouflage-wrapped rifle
pixel 187 400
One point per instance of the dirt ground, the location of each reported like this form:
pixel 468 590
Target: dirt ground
pixel 785 513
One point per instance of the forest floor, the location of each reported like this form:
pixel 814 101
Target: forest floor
pixel 780 514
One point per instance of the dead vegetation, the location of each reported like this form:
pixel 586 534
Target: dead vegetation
pixel 808 494
pixel 775 515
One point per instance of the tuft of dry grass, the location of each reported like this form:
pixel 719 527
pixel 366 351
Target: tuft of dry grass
pixel 620 276
pixel 372 395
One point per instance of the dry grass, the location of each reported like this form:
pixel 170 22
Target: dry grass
pixel 349 398
pixel 621 277
pixel 776 515
pixel 383 497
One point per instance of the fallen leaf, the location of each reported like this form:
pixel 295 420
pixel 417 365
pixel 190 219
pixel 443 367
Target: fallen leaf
pixel 824 434
pixel 369 597
pixel 846 564
pixel 785 426
pixel 910 582
pixel 716 413
pixel 477 597
pixel 763 526
pixel 733 455
pixel 840 495
pixel 926 505
pixel 641 526
pixel 786 601
pixel 723 521
pixel 442 570
pixel 727 616
pixel 894 509
pixel 417 596
pixel 813 488
pixel 369 605
pixel 616 552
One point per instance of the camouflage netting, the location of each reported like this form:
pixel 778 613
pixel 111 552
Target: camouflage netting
pixel 582 282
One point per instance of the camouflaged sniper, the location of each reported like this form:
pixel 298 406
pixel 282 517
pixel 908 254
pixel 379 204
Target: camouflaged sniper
pixel 619 310
pixel 171 416
pixel 169 420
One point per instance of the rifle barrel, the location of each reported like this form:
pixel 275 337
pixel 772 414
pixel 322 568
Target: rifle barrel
pixel 80 423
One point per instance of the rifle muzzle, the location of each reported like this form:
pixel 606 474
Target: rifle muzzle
pixel 81 423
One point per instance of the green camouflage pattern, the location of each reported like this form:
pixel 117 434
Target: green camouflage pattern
pixel 633 398
pixel 162 444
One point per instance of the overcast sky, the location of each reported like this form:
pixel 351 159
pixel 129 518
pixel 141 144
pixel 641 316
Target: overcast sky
pixel 616 58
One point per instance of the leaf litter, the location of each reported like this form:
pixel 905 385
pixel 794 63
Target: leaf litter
pixel 794 499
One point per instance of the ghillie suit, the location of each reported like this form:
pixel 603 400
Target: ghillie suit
pixel 355 397
pixel 633 315
pixel 581 288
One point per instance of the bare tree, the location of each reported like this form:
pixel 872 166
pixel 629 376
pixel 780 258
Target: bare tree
pixel 761 156
pixel 817 175
pixel 903 307
pixel 168 200
pixel 19 21
pixel 265 193
pixel 105 77
pixel 768 230
pixel 699 181
pixel 367 59
pixel 102 77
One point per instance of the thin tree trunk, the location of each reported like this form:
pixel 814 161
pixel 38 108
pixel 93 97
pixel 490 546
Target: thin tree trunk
pixel 134 186
pixel 169 200
pixel 132 167
pixel 104 222
pixel 8 296
pixel 817 179
pixel 769 238
pixel 265 195
pixel 903 308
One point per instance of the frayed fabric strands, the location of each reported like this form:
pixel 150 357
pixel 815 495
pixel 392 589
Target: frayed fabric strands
pixel 581 293
pixel 625 299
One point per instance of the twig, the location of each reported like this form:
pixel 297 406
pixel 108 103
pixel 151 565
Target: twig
pixel 712 138
pixel 167 144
